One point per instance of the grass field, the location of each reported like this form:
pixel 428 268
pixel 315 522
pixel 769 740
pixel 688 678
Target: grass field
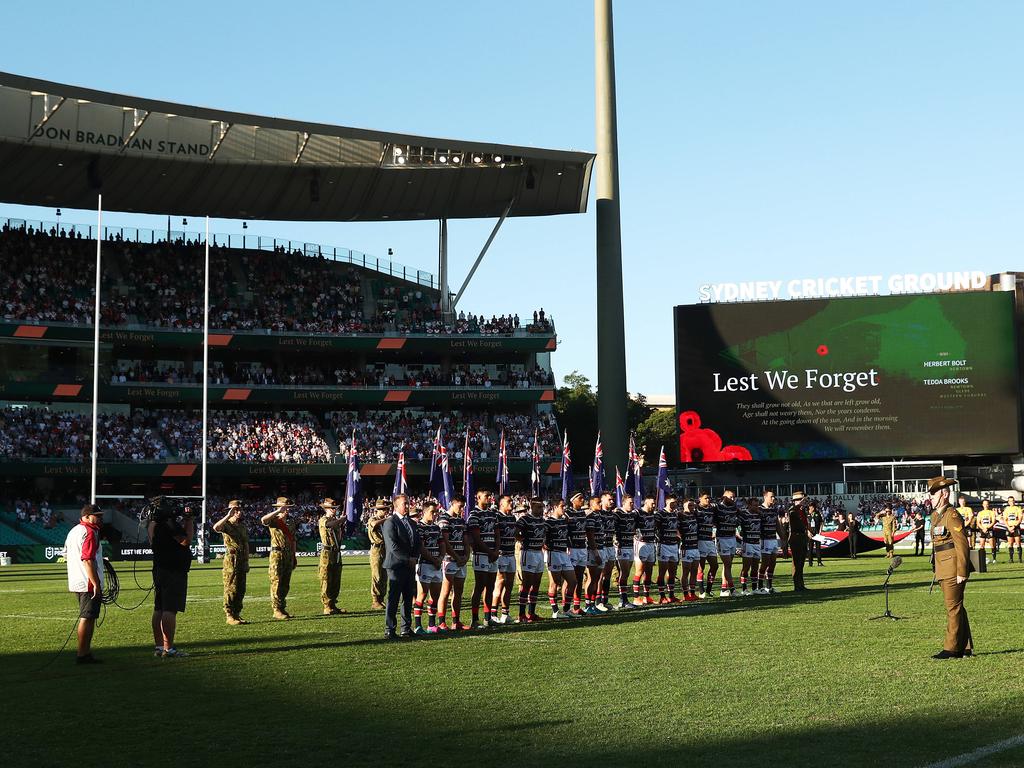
pixel 787 680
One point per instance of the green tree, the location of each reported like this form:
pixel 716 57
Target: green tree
pixel 658 429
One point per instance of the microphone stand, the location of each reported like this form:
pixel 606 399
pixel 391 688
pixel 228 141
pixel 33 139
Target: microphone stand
pixel 888 614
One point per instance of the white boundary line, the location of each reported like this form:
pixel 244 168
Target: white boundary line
pixel 978 754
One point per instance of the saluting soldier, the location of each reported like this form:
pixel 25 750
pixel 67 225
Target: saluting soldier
pixel 378 576
pixel 330 557
pixel 282 554
pixel 236 560
pixel 889 525
pixel 951 551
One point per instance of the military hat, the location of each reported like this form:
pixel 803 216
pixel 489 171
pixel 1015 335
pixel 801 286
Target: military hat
pixel 283 502
pixel 938 483
pixel 381 505
pixel 797 495
pixel 329 504
pixel 234 504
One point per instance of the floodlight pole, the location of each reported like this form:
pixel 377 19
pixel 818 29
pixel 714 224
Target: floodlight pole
pixel 442 271
pixel 611 334
pixel 96 346
pixel 206 381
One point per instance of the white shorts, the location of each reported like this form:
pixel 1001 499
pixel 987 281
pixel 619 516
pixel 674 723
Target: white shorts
pixel 578 556
pixel 668 553
pixel 647 552
pixel 558 562
pixel 706 548
pixel 454 570
pixel 426 573
pixel 595 558
pixel 691 555
pixel 624 553
pixel 727 547
pixel 483 563
pixel 608 555
pixel 506 564
pixel 752 551
pixel 769 546
pixel 531 561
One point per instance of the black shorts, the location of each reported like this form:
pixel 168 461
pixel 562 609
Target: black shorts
pixel 88 606
pixel 169 590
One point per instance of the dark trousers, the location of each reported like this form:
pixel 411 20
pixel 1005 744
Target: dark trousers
pixel 919 544
pixel 401 586
pixel 814 551
pixel 853 543
pixel 799 550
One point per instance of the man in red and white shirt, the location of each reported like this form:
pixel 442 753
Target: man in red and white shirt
pixel 84 558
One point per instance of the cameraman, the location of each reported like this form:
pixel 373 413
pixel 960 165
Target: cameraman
pixel 170 538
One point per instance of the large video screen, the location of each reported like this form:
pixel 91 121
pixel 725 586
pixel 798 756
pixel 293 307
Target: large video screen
pixel 877 377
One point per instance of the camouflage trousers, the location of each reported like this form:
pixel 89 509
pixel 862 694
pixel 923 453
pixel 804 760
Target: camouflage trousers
pixel 281 567
pixel 234 573
pixel 330 578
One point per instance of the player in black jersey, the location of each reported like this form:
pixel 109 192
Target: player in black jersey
pixel 428 569
pixel 608 526
pixel 750 527
pixel 769 543
pixel 482 537
pixel 531 531
pixel 506 580
pixel 581 537
pixel 689 544
pixel 726 521
pixel 595 555
pixel 453 544
pixel 667 531
pixel 646 552
pixel 561 574
pixel 705 513
pixel 626 520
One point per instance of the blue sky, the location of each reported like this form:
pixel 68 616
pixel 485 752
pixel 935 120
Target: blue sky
pixel 758 140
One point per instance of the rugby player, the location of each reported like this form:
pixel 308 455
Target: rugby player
pixel 626 521
pixel 506 580
pixel 595 555
pixel 705 513
pixel 561 573
pixel 456 555
pixel 1012 520
pixel 970 522
pixel 646 548
pixel 581 540
pixel 482 537
pixel 769 543
pixel 726 521
pixel 750 527
pixel 428 569
pixel 667 534
pixel 689 544
pixel 531 531
pixel 986 519
pixel 607 517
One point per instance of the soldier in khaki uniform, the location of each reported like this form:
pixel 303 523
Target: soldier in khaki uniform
pixel 378 576
pixel 236 560
pixel 330 557
pixel 951 551
pixel 282 554
pixel 889 524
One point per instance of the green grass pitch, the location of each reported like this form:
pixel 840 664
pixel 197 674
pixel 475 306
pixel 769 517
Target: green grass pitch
pixel 762 681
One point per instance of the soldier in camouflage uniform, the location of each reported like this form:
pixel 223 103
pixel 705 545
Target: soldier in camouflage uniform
pixel 282 554
pixel 236 560
pixel 378 576
pixel 330 557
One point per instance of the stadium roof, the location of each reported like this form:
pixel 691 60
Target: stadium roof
pixel 60 145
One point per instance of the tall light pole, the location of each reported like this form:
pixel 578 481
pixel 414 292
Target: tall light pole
pixel 611 334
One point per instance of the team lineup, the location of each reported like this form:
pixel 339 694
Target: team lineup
pixel 599 555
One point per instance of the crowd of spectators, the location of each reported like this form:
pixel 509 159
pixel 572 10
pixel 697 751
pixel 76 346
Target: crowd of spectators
pixel 44 277
pixel 520 430
pixel 36 512
pixel 39 433
pixel 280 438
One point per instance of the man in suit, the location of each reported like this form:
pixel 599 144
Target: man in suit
pixel 798 538
pixel 402 551
pixel 952 567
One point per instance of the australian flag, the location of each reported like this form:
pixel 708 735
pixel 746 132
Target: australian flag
pixel 620 487
pixel 502 478
pixel 566 471
pixel 664 488
pixel 400 483
pixel 440 476
pixel 353 486
pixel 535 471
pixel 597 470
pixel 634 484
pixel 468 483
